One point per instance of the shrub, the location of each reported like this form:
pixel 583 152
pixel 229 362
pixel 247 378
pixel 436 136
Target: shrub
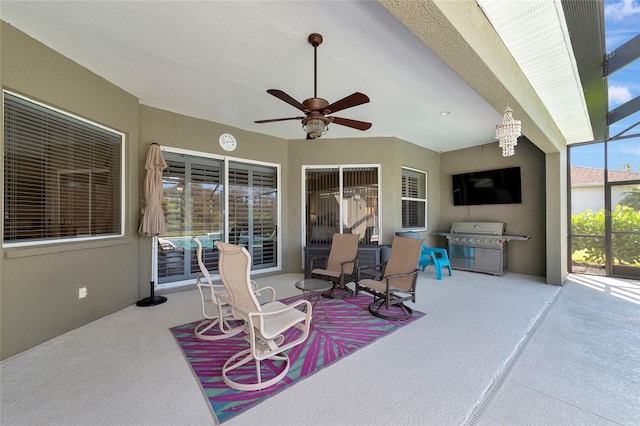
pixel 626 247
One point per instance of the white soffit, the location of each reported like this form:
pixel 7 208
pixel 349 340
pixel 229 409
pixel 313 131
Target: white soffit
pixel 535 32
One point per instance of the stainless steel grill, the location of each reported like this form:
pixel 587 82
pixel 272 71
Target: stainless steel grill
pixel 479 246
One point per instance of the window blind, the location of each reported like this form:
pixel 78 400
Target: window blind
pixel 414 200
pixel 61 175
pixel 357 212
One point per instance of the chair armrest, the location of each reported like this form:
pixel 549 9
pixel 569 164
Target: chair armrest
pixel 405 274
pixel 442 252
pixel 292 319
pixel 252 316
pixel 389 278
pixel 258 293
pixel 206 283
pixel 305 302
pixel 433 251
pixel 375 271
pixel 346 262
pixel 225 299
pixel 199 277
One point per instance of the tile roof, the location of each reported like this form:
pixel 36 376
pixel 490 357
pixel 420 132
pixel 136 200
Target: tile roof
pixel 581 174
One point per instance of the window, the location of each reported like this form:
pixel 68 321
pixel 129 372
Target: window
pixel 414 199
pixel 197 203
pixel 62 175
pixel 341 199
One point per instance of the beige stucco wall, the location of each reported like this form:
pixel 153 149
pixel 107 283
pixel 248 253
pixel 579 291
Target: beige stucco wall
pixel 527 218
pixel 39 286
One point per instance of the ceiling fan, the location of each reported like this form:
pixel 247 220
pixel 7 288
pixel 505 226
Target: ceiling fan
pixel 315 122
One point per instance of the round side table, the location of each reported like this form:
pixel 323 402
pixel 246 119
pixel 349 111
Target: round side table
pixel 312 288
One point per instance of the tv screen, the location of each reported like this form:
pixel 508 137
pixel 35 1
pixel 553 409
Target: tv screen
pixel 501 186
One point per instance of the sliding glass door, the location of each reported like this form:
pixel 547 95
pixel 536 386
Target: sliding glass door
pixel 196 191
pixel 341 199
pixel 253 214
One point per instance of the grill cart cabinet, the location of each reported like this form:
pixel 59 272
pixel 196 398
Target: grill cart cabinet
pixel 479 246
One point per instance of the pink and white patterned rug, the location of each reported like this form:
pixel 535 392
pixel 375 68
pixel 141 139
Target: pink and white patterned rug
pixel 352 328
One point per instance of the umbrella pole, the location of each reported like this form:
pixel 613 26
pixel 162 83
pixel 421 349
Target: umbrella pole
pixel 153 300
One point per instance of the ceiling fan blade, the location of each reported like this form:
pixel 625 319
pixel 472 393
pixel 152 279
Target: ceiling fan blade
pixel 271 120
pixel 288 99
pixel 352 100
pixel 360 125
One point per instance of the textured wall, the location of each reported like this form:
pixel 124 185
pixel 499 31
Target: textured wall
pixel 39 293
pixel 527 218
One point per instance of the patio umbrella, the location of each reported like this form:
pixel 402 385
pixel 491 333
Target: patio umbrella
pixel 153 222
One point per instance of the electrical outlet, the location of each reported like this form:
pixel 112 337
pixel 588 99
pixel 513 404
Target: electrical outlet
pixel 82 292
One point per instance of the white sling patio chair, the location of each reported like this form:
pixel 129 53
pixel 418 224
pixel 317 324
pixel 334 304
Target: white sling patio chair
pixel 265 325
pixel 216 312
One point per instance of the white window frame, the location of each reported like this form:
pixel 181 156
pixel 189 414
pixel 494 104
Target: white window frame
pixel 227 160
pixel 340 168
pixel 122 181
pixel 423 200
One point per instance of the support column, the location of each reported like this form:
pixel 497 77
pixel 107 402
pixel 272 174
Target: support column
pixel 556 217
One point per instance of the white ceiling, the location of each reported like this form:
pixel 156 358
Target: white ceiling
pixel 215 60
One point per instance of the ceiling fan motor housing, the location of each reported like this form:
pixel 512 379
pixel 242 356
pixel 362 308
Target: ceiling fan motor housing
pixel 316 104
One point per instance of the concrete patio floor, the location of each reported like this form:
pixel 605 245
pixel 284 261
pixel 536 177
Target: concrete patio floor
pixel 507 350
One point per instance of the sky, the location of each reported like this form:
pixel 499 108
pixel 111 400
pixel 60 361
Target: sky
pixel 622 23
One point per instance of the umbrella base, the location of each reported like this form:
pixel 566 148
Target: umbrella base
pixel 151 301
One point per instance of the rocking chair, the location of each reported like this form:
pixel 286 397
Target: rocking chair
pixel 221 316
pixel 394 282
pixel 339 266
pixel 268 327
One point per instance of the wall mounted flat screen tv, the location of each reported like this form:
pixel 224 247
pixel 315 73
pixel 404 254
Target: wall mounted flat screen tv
pixel 501 186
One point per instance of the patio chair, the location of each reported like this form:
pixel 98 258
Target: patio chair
pixel 271 328
pixel 394 282
pixel 216 312
pixel 339 267
pixel 437 257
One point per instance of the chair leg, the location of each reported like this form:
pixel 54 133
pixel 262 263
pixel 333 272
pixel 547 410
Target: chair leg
pixel 202 329
pixel 258 383
pixel 439 272
pixel 377 305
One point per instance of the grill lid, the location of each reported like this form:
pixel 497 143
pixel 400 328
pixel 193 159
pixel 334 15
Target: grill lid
pixel 483 228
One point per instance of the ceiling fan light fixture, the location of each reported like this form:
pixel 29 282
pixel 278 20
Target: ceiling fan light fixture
pixel 315 126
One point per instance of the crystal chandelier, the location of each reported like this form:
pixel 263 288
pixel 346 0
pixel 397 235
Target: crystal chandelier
pixel 507 133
